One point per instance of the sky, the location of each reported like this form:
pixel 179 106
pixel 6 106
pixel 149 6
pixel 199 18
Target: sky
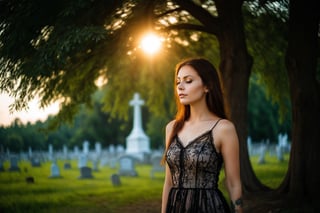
pixel 32 115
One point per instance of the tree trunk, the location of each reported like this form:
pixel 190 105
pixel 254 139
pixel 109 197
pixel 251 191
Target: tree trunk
pixel 303 178
pixel 235 67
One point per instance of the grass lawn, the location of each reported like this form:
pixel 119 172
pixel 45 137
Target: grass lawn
pixel 72 195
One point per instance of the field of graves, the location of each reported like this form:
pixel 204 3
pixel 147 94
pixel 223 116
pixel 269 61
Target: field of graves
pixel 69 193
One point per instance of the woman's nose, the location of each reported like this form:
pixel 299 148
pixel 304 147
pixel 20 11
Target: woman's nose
pixel 180 86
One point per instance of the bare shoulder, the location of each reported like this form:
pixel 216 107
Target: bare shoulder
pixel 169 126
pixel 226 125
pixel 225 132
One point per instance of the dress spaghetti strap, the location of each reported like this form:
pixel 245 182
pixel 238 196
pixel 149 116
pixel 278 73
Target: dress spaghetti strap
pixel 216 124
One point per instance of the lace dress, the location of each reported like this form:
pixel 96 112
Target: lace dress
pixel 195 174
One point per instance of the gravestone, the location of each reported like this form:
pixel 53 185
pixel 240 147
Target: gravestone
pixel 279 151
pixel 283 143
pixel 263 150
pixel 85 147
pixel 156 166
pixel 35 162
pixel 14 164
pixel 50 152
pixel 30 152
pixel 82 161
pixel 112 163
pixel 119 149
pixel 137 142
pixel 65 151
pixel 55 171
pixel 29 179
pixel 76 150
pixel 115 180
pixel 127 166
pixel 112 150
pixel 85 173
pixel 95 163
pixel 98 148
pixel 67 165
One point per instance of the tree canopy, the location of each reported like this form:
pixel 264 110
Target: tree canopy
pixel 58 51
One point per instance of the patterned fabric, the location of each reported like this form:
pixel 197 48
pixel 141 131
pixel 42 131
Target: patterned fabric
pixel 195 174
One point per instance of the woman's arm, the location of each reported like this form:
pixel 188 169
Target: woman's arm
pixel 166 189
pixel 230 152
pixel 168 180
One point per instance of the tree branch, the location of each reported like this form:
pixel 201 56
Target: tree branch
pixel 202 15
pixel 186 26
pixel 178 9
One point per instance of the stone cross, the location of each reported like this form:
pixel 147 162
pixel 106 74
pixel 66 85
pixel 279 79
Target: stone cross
pixel 85 146
pixel 138 143
pixel 136 102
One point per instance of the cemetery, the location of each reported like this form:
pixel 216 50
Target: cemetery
pixel 108 179
pixel 32 189
pixel 75 75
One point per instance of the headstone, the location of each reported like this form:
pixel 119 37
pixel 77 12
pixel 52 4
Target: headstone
pixel 29 179
pixel 137 142
pixel 30 152
pixel 112 150
pixel 263 150
pixel 50 152
pixel 85 147
pixel 67 165
pixel 35 162
pixel 65 151
pixel 82 161
pixel 127 166
pixel 76 150
pixel 104 161
pixel 156 166
pixel 55 171
pixel 112 163
pixel 14 164
pixel 119 149
pixel 115 180
pixel 279 151
pixel 98 148
pixel 283 143
pixel 95 163
pixel 85 173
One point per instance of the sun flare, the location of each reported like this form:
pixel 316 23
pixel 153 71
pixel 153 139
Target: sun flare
pixel 150 43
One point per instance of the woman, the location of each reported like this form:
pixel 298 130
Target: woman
pixel 198 142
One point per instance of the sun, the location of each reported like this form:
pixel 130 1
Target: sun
pixel 150 43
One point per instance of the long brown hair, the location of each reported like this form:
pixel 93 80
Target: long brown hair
pixel 214 97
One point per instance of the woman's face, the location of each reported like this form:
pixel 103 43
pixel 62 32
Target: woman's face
pixel 190 88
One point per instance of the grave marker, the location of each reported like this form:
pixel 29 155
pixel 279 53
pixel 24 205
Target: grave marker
pixel 55 171
pixel 263 150
pixel 156 166
pixel 115 180
pixel 137 142
pixel 127 166
pixel 14 164
pixel 35 162
pixel 82 161
pixel 85 173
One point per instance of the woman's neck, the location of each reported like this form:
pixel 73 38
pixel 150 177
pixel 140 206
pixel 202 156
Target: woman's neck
pixel 200 113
